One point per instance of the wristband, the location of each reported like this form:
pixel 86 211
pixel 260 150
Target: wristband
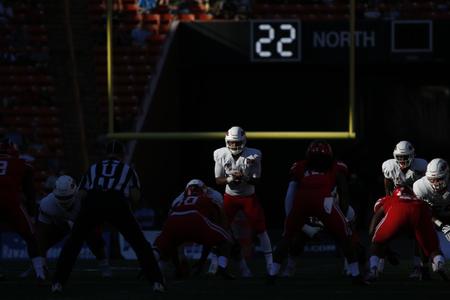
pixel 438 223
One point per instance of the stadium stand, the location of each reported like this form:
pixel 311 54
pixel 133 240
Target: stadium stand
pixel 27 88
pixel 134 65
pixel 339 10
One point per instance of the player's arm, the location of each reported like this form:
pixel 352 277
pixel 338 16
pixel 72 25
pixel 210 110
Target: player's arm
pixel 252 174
pixel 442 226
pixel 294 182
pixel 343 191
pixel 219 172
pixel 376 218
pixel 44 234
pixel 388 186
pixel 176 202
pixel 223 179
pixel 290 196
pixel 45 229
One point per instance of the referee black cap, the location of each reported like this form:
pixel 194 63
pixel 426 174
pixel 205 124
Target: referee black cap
pixel 115 148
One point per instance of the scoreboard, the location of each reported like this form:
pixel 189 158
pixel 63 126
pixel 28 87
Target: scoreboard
pixel 275 40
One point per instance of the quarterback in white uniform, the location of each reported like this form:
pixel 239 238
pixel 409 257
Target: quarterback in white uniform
pixel 57 213
pixel 239 169
pixel 434 189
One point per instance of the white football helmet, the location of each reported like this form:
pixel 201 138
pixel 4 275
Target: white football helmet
pixel 195 187
pixel 437 174
pixel 235 140
pixel 65 189
pixel 404 154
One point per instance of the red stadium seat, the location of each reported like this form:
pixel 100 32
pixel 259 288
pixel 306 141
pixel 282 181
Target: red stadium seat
pixel 153 19
pixel 204 17
pixel 186 17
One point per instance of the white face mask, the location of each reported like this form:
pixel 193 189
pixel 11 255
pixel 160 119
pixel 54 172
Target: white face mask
pixel 65 202
pixel 438 184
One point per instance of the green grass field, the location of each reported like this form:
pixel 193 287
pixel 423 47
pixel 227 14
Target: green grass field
pixel 316 278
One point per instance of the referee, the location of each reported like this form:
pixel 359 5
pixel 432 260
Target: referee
pixel 109 186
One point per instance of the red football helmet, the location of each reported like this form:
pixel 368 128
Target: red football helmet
pixel 319 147
pixel 403 191
pixel 319 155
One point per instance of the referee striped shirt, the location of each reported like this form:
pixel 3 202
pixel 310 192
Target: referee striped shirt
pixel 110 174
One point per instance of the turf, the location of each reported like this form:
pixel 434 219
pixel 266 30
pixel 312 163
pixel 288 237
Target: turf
pixel 316 278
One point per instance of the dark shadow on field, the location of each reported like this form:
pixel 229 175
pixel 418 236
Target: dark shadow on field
pixel 316 278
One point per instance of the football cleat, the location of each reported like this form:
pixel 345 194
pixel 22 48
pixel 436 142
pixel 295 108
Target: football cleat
pixel 57 288
pixel 222 272
pixel 359 280
pixel 271 279
pixel 158 287
pixel 105 270
pixel 416 273
pixel 443 275
pixel 268 268
pixel 183 270
pixel 289 271
pixel 392 257
pixel 41 277
pixel 246 273
pixel 212 269
pixel 372 275
pixel 440 270
pixel 425 273
pixel 420 273
pixel 27 273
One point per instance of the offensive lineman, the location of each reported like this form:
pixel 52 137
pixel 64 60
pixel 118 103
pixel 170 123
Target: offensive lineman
pixel 434 190
pixel 57 213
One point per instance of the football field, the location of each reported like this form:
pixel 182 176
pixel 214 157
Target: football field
pixel 316 278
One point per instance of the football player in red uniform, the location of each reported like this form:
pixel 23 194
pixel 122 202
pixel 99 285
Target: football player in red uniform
pixel 197 219
pixel 316 186
pixel 16 177
pixel 404 211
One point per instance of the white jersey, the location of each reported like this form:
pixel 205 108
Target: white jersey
pixel 215 196
pixel 417 169
pixel 248 163
pixel 440 201
pixel 50 212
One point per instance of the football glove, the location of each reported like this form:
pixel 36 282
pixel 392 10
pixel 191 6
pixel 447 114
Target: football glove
pixel 446 231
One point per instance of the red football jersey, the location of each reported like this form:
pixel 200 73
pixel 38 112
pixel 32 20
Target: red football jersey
pixel 203 204
pixel 398 195
pixel 317 182
pixel 13 174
